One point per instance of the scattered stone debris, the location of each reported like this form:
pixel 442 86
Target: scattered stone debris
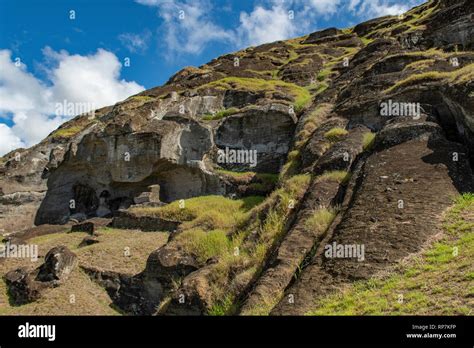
pixel 26 286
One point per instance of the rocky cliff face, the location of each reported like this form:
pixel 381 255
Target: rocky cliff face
pixel 376 121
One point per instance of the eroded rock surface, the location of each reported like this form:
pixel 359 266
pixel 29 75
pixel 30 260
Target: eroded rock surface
pixel 26 286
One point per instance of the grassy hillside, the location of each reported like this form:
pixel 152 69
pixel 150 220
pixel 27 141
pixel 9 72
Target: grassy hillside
pixel 440 281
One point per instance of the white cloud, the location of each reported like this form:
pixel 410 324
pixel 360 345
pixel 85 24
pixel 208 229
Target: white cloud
pixel 187 25
pixel 89 79
pixel 93 81
pixel 267 25
pixel 9 140
pixel 378 8
pixel 135 43
pixel 325 7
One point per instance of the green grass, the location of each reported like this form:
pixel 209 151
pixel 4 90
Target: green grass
pixel 324 74
pixel 368 140
pixel 292 164
pixel 320 220
pixel 340 176
pixel 246 176
pixel 206 212
pixel 439 281
pixel 224 307
pixel 335 134
pixel 416 79
pixel 141 98
pixel 205 245
pixel 257 181
pixel 365 40
pixel 461 75
pixel 300 95
pixel 420 65
pixel 251 225
pixel 264 182
pixel 426 54
pixel 319 88
pixel 311 123
pixel 67 132
pixel 220 114
pixel 254 243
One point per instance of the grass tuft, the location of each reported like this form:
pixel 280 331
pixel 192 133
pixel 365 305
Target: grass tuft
pixel 67 132
pixel 368 141
pixel 205 245
pixel 336 134
pixel 320 220
pixel 458 76
pixel 220 114
pixel 340 176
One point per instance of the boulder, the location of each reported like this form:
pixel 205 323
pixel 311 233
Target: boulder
pixel 26 286
pixel 322 34
pixel 58 264
pixel 89 240
pixel 130 220
pixel 87 227
pixel 22 286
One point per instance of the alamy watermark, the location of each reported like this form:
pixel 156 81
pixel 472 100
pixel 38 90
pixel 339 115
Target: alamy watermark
pixel 24 251
pixel 232 156
pixel 66 108
pixel 345 251
pixel 394 108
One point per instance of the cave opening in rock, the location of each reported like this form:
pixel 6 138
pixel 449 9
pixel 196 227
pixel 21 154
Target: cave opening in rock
pixel 85 200
pixel 450 117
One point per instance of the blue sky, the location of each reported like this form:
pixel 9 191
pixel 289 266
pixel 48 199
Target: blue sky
pixel 49 54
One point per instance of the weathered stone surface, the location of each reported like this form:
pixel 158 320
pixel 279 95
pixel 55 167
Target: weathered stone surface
pixel 152 196
pixel 58 264
pixel 22 287
pixel 89 240
pixel 87 227
pixel 169 263
pixel 129 220
pixel 134 162
pixel 26 286
pixel 419 172
pixel 36 231
pixel 322 34
pixel 265 130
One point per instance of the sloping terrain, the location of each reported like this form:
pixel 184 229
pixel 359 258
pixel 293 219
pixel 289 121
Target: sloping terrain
pixel 297 177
